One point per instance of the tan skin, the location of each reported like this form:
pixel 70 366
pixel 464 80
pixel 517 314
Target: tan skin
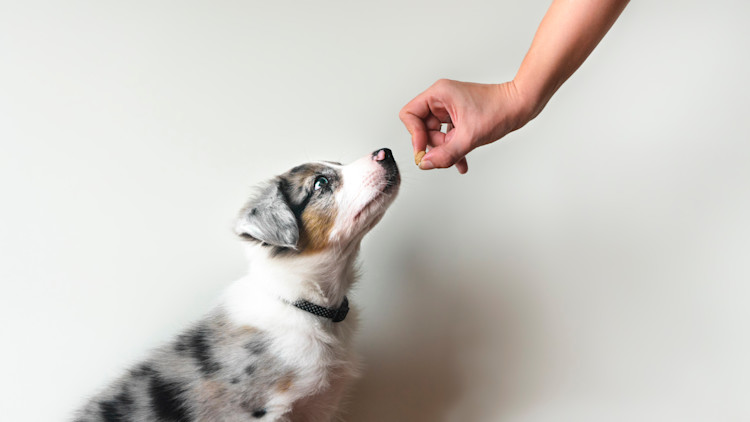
pixel 480 114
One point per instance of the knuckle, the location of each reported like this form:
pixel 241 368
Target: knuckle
pixel 443 83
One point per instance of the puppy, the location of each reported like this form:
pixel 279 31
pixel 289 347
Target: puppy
pixel 278 347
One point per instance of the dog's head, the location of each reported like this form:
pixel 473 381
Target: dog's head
pixel 321 205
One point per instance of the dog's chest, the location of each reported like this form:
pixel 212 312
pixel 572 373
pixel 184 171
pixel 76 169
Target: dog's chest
pixel 324 372
pixel 319 367
pixel 318 357
pixel 286 369
pixel 312 356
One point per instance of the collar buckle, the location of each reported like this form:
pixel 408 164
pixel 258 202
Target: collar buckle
pixel 342 311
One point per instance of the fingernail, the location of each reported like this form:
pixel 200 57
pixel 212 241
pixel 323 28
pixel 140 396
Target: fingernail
pixel 418 157
pixel 426 165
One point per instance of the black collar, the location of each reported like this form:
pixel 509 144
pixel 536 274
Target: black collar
pixel 336 315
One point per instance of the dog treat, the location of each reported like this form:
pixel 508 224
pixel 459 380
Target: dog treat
pixel 418 157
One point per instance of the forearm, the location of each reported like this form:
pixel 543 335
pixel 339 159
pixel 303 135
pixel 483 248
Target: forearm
pixel 569 32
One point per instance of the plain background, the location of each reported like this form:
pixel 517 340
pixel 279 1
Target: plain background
pixel 594 265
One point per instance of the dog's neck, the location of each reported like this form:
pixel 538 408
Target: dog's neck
pixel 322 278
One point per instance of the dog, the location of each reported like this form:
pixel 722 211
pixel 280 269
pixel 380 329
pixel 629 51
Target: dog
pixel 278 347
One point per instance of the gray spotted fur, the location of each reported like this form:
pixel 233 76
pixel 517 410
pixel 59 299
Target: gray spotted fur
pixel 214 371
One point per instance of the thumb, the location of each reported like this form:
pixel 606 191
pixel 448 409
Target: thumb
pixel 446 154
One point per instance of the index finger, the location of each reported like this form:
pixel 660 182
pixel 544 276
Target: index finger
pixel 413 116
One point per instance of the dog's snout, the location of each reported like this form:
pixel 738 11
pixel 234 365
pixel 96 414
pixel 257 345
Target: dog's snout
pixel 383 155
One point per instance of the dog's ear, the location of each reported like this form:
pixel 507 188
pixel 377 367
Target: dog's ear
pixel 268 219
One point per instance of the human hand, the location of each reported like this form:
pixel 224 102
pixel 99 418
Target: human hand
pixel 477 114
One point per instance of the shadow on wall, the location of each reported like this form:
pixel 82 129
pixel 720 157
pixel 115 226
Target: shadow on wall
pixel 451 346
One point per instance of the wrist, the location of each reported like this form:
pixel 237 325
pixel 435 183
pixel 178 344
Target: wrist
pixel 532 96
pixel 513 107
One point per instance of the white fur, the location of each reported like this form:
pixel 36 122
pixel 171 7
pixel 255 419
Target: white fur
pixel 318 349
pixel 362 200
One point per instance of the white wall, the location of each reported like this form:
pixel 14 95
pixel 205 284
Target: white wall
pixel 592 266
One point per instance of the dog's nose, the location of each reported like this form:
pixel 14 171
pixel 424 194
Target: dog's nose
pixel 383 154
pixel 384 157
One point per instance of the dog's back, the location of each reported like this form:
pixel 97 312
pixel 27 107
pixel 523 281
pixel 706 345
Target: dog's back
pixel 215 371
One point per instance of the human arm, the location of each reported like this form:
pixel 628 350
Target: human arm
pixel 483 113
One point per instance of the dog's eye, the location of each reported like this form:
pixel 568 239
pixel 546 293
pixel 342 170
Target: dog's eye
pixel 320 182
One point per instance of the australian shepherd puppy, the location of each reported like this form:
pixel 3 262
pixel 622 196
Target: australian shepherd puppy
pixel 278 347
